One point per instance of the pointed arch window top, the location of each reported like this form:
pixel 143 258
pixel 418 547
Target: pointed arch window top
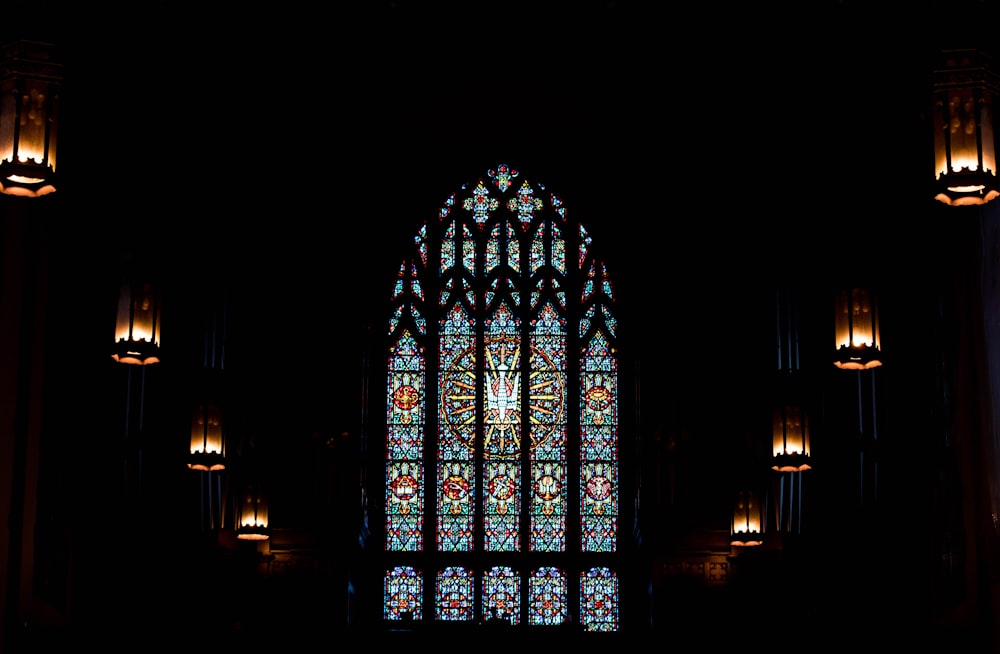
pixel 480 204
pixel 525 204
pixel 446 209
pixel 503 176
pixel 557 203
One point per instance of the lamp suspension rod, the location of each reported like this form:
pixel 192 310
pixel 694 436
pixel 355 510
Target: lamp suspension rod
pixel 874 441
pixel 861 434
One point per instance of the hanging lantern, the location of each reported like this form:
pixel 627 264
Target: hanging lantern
pixel 965 168
pixel 790 436
pixel 253 515
pixel 29 100
pixel 137 329
pixel 207 439
pixel 856 330
pixel 748 519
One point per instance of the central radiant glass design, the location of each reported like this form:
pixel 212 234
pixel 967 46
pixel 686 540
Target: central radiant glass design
pixel 502 389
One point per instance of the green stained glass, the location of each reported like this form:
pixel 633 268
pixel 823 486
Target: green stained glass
pixel 397 290
pixel 588 285
pixel 513 250
pixel 502 595
pixel 454 594
pixel 402 594
pixel 421 240
pixel 548 513
pixel 502 508
pixel 456 434
pixel 558 250
pixel 395 320
pixel 525 204
pixel 537 251
pixel 404 445
pixel 598 449
pixel 557 204
pixel 599 600
pixel 480 204
pixel 468 250
pixel 502 176
pixel 416 288
pixel 492 252
pixel 547 596
pixel 446 208
pixel 448 246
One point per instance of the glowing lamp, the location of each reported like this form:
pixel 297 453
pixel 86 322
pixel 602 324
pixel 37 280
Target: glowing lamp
pixel 965 166
pixel 29 102
pixel 856 330
pixel 137 328
pixel 253 516
pixel 747 520
pixel 207 439
pixel 790 437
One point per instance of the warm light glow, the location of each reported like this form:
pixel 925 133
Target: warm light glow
pixel 137 328
pixel 744 539
pixel 25 192
pixel 29 101
pixel 856 330
pixel 253 517
pixel 967 200
pixel 206 439
pixel 21 179
pixel 790 440
pixel 965 164
pixel 746 529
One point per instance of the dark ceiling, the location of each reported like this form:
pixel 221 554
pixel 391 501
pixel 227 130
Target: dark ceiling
pixel 295 151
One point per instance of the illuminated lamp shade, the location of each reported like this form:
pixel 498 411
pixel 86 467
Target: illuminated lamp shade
pixel 207 439
pixel 747 520
pixel 137 328
pixel 253 516
pixel 856 330
pixel 790 439
pixel 29 102
pixel 965 166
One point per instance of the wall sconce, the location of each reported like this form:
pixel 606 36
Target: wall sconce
pixel 790 438
pixel 207 439
pixel 965 168
pixel 137 328
pixel 856 330
pixel 748 520
pixel 29 101
pixel 253 515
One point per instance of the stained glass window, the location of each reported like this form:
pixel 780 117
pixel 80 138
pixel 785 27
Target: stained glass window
pixel 454 594
pixel 502 415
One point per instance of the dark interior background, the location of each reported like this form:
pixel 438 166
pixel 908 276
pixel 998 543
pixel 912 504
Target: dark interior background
pixel 289 153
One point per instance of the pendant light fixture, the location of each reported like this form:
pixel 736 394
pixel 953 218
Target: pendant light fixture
pixel 856 330
pixel 30 82
pixel 965 165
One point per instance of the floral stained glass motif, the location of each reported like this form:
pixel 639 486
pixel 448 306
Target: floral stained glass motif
pixel 547 594
pixel 405 440
pixel 403 591
pixel 456 433
pixel 454 594
pixel 501 594
pixel 599 600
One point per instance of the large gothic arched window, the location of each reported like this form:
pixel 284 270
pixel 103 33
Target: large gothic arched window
pixel 502 428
